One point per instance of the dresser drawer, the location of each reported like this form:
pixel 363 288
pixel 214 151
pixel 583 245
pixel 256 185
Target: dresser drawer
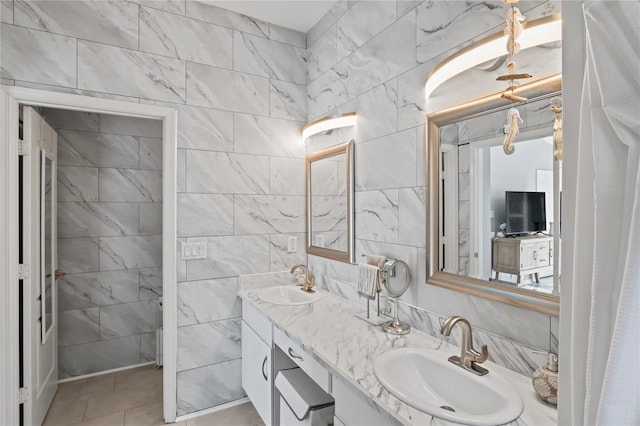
pixel 259 323
pixel 309 365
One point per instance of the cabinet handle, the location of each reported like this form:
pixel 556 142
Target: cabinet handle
pixel 263 364
pixel 292 355
pixel 535 255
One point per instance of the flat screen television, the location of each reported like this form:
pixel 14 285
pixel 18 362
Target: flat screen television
pixel 525 212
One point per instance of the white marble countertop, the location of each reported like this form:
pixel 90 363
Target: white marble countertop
pixel 347 347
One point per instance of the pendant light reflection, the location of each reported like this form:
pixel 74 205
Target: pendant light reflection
pixel 328 124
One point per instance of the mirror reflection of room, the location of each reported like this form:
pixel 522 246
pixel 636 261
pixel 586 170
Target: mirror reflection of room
pixel 329 203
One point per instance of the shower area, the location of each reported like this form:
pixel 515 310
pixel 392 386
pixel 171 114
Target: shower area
pixel 109 241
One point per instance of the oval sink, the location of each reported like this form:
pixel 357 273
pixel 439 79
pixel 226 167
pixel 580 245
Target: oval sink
pixel 425 380
pixel 288 295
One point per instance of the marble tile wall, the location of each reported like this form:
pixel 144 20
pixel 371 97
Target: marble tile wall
pixel 373 58
pixel 239 86
pixel 109 239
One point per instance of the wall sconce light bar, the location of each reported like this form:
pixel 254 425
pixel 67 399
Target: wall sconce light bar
pixel 327 124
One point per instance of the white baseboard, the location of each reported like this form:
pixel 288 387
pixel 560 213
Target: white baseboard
pixel 211 410
pixel 100 373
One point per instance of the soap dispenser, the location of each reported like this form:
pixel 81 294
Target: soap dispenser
pixel 545 380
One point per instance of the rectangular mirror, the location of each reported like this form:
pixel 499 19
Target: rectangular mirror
pixel 329 178
pixel 493 218
pixel 47 279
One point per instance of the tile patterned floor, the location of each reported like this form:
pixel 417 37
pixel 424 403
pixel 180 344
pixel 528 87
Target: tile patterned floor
pixel 129 398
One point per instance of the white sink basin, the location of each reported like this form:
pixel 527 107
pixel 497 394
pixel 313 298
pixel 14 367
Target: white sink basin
pixel 288 295
pixel 425 380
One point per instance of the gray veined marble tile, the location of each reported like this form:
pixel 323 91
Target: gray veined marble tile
pixel 184 38
pixel 173 6
pixel 110 22
pixel 132 126
pixel 182 170
pixel 98 356
pixel 38 57
pixel 7 82
pixel 354 31
pixel 207 301
pixel 287 35
pixel 77 148
pixel 72 120
pixel 219 172
pixel 412 107
pixel 387 162
pixel 133 186
pixel 390 53
pixel 225 89
pixel 97 219
pixel 228 256
pixel 209 386
pixel 329 213
pixel 377 215
pixel 287 176
pixel 421 156
pixel 256 55
pixel 337 10
pixel 412 216
pixel 150 283
pixel 128 319
pixel 281 259
pixel 325 176
pixel 403 6
pixel 147 347
pixel 268 214
pixel 77 183
pixel 377 111
pixel 208 343
pixel 255 134
pixel 74 91
pixel 181 265
pixel 78 255
pixel 287 100
pixel 6 11
pixel 226 18
pixel 201 215
pixel 117 253
pixel 150 154
pixel 76 291
pixel 327 91
pixel 150 218
pixel 78 326
pixel 321 55
pixel 128 72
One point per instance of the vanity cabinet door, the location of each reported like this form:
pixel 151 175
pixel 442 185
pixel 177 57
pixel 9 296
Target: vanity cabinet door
pixel 256 372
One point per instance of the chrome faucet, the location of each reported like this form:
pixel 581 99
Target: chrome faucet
pixel 307 280
pixel 469 358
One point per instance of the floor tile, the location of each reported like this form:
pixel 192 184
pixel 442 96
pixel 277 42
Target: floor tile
pixel 149 415
pixel 122 401
pixel 65 412
pixel 86 388
pixel 115 419
pixel 240 415
pixel 138 378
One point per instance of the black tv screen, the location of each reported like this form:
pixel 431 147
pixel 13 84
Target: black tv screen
pixel 525 212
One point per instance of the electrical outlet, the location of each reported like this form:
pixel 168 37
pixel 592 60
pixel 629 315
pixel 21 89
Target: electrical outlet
pixel 292 244
pixel 192 251
pixel 319 240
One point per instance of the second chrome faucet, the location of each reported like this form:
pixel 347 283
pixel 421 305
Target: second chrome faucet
pixel 469 358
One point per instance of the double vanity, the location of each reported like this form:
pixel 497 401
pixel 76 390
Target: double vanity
pixel 373 377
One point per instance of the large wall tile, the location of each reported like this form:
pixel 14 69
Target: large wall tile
pixel 226 18
pixel 287 176
pixel 281 259
pixel 287 100
pixel 134 186
pixel 353 31
pixel 377 111
pixel 337 10
pixel 209 386
pixel 78 326
pixel 150 215
pixel 37 56
pixel 183 38
pixel 231 256
pixel 134 126
pixel 321 55
pixel 269 136
pixel 78 255
pixel 99 356
pixel 173 6
pixel 77 148
pixel 128 319
pixel 328 91
pixel 130 252
pixel 268 214
pixel 72 120
pixel 329 213
pixel 225 89
pixel 76 219
pixel 377 215
pixel 6 11
pixel 150 283
pixel 150 154
pixel 412 216
pixel 127 72
pixel 77 291
pixel 219 172
pixel 205 215
pixel 412 105
pixel 209 300
pixel 210 343
pixel 181 170
pixel 256 55
pixel 109 22
pixel 77 183
pixel 287 35
pixel 147 347
pixel 403 6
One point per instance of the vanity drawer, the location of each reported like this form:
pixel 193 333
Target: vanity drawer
pixel 259 323
pixel 309 365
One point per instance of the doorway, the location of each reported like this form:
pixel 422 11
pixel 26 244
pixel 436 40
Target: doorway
pixel 31 404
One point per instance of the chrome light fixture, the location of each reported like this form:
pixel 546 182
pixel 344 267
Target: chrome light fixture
pixel 328 124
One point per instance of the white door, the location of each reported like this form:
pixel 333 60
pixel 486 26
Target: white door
pixel 40 344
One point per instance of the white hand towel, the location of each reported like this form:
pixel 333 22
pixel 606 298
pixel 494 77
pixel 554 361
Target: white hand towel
pixel 375 259
pixel 368 280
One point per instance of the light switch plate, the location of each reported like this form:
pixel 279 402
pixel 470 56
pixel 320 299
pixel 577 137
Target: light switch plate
pixel 292 244
pixel 192 251
pixel 319 240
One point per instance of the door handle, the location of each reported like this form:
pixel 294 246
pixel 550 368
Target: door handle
pixel 58 275
pixel 263 365
pixel 292 355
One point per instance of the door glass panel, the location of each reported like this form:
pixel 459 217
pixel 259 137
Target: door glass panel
pixel 46 215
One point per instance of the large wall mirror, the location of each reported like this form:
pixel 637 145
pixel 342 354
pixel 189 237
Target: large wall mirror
pixel 494 218
pixel 329 178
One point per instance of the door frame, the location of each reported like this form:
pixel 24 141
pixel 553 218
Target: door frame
pixel 12 97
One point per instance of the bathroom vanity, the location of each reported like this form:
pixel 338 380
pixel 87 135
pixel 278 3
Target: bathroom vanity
pixel 338 351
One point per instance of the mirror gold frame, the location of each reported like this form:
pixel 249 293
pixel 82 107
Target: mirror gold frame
pixel 540 302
